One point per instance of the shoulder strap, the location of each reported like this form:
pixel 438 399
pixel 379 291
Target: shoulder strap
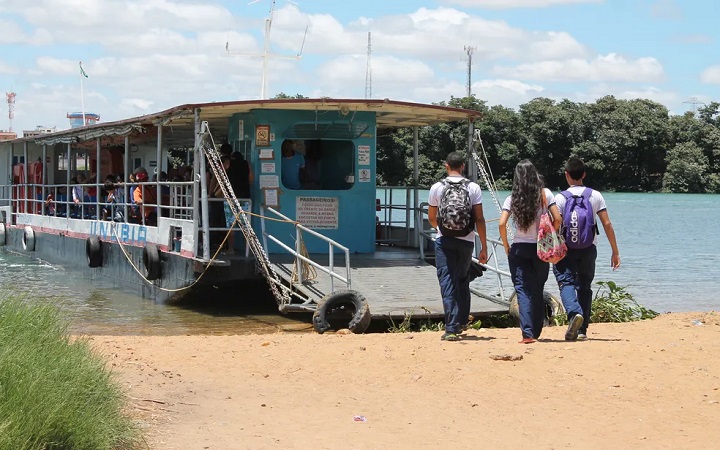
pixel 567 194
pixel 586 193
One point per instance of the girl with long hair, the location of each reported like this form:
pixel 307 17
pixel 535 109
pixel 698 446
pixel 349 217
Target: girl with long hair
pixel 528 201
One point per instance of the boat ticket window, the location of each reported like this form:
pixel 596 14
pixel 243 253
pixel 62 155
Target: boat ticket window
pixel 315 164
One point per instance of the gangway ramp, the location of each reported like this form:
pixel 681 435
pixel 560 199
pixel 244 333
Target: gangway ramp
pixel 395 282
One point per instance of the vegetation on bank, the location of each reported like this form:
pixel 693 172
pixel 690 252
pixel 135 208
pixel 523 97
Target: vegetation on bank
pixel 612 303
pixel 55 393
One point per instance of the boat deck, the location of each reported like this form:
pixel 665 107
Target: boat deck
pixel 395 281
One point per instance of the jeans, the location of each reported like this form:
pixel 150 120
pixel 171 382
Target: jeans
pixel 452 260
pixel 574 274
pixel 529 274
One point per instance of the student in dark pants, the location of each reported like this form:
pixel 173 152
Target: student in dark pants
pixel 528 272
pixel 575 272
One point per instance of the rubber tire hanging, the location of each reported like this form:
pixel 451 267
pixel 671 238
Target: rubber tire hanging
pixel 553 306
pixel 151 261
pixel 93 251
pixel 339 305
pixel 28 239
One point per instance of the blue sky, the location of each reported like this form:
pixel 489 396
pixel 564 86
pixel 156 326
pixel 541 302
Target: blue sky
pixel 143 56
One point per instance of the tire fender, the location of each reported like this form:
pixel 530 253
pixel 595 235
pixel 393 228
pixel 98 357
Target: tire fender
pixel 93 251
pixel 342 304
pixel 151 261
pixel 28 240
pixel 553 305
pixel 2 234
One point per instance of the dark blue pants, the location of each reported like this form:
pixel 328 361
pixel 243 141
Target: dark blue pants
pixel 529 275
pixel 452 260
pixel 574 274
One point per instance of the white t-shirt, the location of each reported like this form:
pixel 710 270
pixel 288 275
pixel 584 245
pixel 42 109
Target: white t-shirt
pixel 529 236
pixel 597 202
pixel 474 190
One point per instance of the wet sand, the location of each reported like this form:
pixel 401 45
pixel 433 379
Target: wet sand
pixel 651 384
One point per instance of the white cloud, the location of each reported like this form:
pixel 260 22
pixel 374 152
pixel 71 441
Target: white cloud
pixel 508 4
pixel 711 75
pixel 510 93
pixel 611 67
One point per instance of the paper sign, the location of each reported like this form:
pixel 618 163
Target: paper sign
pixel 266 153
pixel 364 175
pixel 269 181
pixel 363 155
pixel 262 135
pixel 241 129
pixel 271 197
pixel 267 167
pixel 317 212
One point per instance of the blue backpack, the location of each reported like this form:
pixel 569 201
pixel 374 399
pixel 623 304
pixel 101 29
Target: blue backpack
pixel 579 227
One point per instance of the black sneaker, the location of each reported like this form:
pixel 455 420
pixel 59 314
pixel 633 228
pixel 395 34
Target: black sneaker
pixel 572 331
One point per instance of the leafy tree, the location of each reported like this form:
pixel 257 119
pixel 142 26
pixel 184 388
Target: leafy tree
pixel 686 169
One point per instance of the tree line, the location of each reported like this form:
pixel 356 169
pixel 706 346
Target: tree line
pixel 628 145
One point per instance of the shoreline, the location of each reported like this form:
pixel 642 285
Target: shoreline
pixel 648 384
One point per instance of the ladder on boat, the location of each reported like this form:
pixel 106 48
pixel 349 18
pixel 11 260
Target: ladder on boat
pixel 279 291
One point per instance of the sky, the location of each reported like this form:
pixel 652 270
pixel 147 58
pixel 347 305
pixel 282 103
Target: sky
pixel 144 56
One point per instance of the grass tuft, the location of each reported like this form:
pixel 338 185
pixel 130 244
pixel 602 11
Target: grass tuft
pixel 55 393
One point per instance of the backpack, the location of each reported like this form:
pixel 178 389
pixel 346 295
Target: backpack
pixel 579 227
pixel 455 214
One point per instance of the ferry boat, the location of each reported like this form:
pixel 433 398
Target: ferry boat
pixel 317 244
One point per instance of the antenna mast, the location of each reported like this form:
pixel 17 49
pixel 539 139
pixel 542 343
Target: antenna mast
pixel 469 49
pixel 11 107
pixel 368 71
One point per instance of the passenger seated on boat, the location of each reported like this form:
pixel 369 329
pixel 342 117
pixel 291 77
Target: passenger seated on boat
pixel 78 196
pixel 50 205
pixel 108 210
pixel 145 199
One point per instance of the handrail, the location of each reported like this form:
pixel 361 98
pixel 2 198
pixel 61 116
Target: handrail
pixel 430 235
pixel 301 258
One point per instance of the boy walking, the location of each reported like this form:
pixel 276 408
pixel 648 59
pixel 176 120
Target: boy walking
pixel 455 210
pixel 579 205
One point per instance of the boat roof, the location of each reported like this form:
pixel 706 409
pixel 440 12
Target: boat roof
pixel 390 114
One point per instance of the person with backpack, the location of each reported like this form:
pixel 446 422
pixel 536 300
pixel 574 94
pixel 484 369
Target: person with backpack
pixel 528 200
pixel 455 210
pixel 579 205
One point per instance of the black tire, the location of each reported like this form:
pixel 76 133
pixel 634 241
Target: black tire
pixel 93 251
pixel 151 261
pixel 553 306
pixel 28 240
pixel 342 309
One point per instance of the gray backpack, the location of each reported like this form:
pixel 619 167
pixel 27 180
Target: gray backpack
pixel 455 214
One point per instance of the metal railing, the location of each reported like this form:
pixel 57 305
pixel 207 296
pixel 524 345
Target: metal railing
pixel 298 251
pixel 430 234
pixel 386 221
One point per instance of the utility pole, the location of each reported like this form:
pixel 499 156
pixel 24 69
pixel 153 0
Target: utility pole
pixel 469 49
pixel 368 71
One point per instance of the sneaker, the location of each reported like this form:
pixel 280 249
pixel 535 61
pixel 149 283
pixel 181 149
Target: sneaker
pixel 572 331
pixel 527 340
pixel 452 337
pixel 582 337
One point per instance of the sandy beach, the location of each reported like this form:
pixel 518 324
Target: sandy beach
pixel 651 384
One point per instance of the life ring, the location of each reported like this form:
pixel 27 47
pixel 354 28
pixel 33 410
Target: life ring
pixel 28 241
pixel 2 234
pixel 151 261
pixel 93 251
pixel 553 306
pixel 340 308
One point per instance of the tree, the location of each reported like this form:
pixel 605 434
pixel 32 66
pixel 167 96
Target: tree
pixel 687 166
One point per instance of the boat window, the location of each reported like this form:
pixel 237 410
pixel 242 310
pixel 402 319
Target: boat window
pixel 328 165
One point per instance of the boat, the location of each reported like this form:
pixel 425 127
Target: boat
pixel 320 247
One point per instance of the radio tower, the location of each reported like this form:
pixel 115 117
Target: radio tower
pixel 368 71
pixel 11 107
pixel 469 50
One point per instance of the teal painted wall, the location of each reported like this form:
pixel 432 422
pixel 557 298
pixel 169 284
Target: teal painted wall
pixel 355 206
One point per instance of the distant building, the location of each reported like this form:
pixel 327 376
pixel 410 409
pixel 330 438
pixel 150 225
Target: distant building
pixel 76 119
pixel 38 131
pixel 7 135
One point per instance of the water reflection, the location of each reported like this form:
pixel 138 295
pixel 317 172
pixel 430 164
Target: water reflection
pixel 95 308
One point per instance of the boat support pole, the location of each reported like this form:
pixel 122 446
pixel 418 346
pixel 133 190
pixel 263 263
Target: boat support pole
pixel 68 191
pixel 25 163
pixel 158 169
pixel 416 182
pixel 203 188
pixel 126 177
pixel 44 178
pixel 98 191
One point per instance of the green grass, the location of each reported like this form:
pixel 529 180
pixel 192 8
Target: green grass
pixel 613 303
pixel 55 393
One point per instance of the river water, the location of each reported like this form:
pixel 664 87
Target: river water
pixel 669 247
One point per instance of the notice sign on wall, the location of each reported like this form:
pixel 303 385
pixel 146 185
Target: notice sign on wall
pixel 317 212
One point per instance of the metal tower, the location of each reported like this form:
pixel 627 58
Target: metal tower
pixel 469 50
pixel 11 107
pixel 368 71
